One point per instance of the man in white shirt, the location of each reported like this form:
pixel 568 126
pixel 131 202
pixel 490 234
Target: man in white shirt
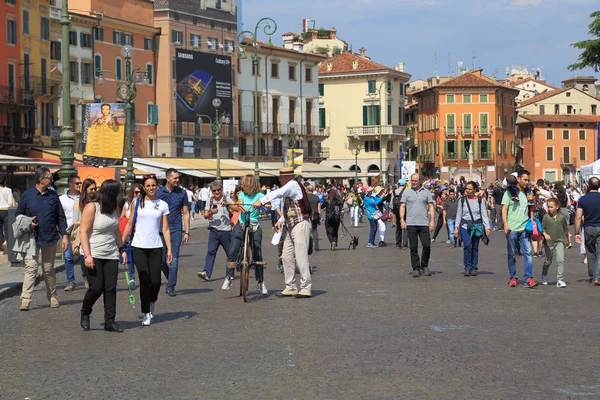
pixel 543 193
pixel 6 200
pixel 204 194
pixel 296 215
pixel 191 202
pixel 68 201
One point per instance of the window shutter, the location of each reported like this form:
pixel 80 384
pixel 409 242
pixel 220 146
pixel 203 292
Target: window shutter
pixel 322 122
pixel 115 37
pixel 131 40
pixel 378 115
pixel 321 89
pixel 149 73
pixel 123 39
pixel 155 114
pixel 389 114
pixel 81 41
pixel 365 116
pixel 153 44
pixel 445 156
pixel 97 64
pixel 82 69
pixel 101 35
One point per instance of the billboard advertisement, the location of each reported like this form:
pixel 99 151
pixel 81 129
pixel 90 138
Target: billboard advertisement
pixel 104 134
pixel 202 77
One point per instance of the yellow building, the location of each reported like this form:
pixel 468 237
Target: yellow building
pixel 362 103
pixel 35 67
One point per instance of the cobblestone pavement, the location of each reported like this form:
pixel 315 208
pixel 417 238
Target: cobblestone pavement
pixel 370 332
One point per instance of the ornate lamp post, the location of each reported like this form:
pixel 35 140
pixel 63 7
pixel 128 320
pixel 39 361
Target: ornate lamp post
pixel 67 138
pixel 269 29
pixel 355 150
pixel 126 91
pixel 216 126
pixel 373 95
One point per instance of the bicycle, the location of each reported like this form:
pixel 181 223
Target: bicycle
pixel 246 259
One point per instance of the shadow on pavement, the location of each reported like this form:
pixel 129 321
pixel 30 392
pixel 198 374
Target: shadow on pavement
pixel 159 318
pixel 183 292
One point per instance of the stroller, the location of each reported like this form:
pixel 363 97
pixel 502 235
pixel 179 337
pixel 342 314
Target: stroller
pixel 354 239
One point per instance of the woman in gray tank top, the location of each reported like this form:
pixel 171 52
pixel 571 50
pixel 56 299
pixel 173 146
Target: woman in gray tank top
pixel 101 244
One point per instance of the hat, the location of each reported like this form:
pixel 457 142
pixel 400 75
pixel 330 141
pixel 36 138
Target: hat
pixel 378 190
pixel 443 187
pixel 286 171
pixel 370 189
pixel 401 182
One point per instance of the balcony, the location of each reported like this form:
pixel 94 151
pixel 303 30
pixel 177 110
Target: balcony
pixel 314 153
pixel 55 13
pixel 13 135
pixel 285 129
pixel 44 87
pixel 484 156
pixel 376 130
pixel 193 129
pixel 452 156
pixel 191 7
pixel 10 97
pixel 568 162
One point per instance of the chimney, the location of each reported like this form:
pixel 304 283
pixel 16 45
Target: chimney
pixel 332 33
pixel 314 34
pixel 329 66
pixel 363 52
pixel 401 66
pixel 355 64
pixel 304 25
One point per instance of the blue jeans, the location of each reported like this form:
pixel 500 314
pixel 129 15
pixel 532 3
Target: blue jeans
pixel 192 209
pixel 237 237
pixel 373 231
pixel 215 239
pixel 70 266
pixel 170 270
pixel 470 248
pixel 512 241
pixel 493 215
pixel 450 224
pixel 590 233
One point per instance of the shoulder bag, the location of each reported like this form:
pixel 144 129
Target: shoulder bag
pixel 128 244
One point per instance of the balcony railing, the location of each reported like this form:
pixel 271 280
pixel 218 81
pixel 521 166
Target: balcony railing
pixel 284 129
pixel 451 156
pixel 484 156
pixel 375 130
pixel 11 134
pixel 194 129
pixel 310 153
pixel 11 95
pixel 43 86
pixel 571 161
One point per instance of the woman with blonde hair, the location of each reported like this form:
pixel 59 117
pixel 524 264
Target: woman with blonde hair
pixel 250 194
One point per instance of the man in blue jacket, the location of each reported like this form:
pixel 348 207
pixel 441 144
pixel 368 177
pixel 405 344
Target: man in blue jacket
pixel 50 224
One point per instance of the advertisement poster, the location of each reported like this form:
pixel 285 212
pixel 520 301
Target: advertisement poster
pixel 408 168
pixel 202 77
pixel 104 134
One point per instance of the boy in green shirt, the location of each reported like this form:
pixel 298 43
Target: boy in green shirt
pixel 556 233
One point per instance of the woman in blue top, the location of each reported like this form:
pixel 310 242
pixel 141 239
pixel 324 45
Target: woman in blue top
pixel 371 202
pixel 250 194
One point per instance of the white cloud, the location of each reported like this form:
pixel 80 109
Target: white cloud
pixel 534 3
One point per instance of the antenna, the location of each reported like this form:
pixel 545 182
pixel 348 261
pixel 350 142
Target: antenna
pixel 435 66
pixel 473 62
pixel 449 63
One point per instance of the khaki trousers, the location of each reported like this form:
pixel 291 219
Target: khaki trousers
pixel 295 253
pixel 32 264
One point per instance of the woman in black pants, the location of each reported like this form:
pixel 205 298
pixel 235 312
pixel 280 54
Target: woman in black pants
pixel 333 214
pixel 101 244
pixel 439 205
pixel 147 215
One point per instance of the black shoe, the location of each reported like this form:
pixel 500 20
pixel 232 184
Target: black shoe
pixel 112 327
pixel 85 322
pixel 416 273
pixel 382 244
pixel 474 272
pixel 171 292
pixel 467 272
pixel 426 271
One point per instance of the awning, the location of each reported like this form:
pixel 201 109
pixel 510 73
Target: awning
pixel 309 170
pixel 14 160
pixel 373 173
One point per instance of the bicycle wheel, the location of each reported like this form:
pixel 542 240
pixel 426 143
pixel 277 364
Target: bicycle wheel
pixel 246 261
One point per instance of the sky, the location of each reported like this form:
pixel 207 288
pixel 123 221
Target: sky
pixel 498 33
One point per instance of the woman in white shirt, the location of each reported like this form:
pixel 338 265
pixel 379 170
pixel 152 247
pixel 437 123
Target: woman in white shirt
pixel 147 246
pixel 6 200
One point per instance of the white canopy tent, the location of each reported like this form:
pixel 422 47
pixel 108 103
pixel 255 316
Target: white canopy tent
pixel 593 169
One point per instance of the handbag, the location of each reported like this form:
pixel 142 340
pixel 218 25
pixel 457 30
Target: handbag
pixel 477 228
pixel 534 228
pixel 385 215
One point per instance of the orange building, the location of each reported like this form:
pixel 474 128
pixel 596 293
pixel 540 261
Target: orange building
pixel 120 23
pixel 554 147
pixel 470 109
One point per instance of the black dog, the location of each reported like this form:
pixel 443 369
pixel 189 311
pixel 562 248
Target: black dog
pixel 353 241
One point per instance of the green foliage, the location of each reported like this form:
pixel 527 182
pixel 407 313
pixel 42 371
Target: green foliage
pixel 590 57
pixel 322 50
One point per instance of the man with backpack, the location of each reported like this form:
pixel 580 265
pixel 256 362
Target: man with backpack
pixel 401 236
pixel 515 214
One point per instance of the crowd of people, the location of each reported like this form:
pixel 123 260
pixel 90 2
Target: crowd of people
pixel 145 228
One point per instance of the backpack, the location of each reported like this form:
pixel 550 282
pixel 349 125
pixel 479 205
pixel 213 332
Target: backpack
pixel 397 200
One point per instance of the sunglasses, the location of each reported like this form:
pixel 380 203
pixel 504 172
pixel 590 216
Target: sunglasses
pixel 150 176
pixel 137 192
pixel 216 190
pixel 78 183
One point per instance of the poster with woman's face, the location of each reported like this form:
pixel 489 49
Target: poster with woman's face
pixel 104 134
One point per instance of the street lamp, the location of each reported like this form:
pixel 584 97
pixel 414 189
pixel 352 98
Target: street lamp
pixel 355 150
pixel 216 126
pixel 373 95
pixel 269 29
pixel 67 139
pixel 126 91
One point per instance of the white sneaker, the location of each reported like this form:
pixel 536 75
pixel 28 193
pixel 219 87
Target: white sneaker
pixel 263 289
pixel 147 319
pixel 152 309
pixel 227 283
pixel 544 280
pixel 561 284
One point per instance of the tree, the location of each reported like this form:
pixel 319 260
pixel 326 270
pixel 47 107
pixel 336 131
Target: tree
pixel 590 57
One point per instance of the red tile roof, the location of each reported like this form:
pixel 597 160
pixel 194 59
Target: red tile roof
pixel 290 34
pixel 542 96
pixel 343 63
pixel 561 118
pixel 521 81
pixel 473 79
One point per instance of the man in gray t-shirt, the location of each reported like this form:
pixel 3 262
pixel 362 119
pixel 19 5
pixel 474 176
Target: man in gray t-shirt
pixel 418 207
pixel 219 225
